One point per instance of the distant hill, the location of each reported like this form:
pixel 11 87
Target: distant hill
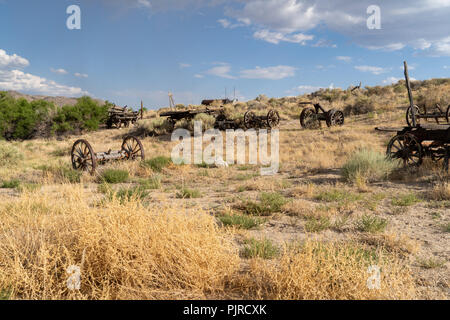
pixel 58 101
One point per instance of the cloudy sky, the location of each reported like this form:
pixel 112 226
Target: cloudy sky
pixel 128 50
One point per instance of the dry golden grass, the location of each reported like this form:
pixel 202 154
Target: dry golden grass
pixel 124 250
pixel 327 271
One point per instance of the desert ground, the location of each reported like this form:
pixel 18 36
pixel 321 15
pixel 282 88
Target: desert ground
pixel 156 230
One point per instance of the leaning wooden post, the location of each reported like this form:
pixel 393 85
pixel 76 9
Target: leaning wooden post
pixel 411 102
pixel 142 110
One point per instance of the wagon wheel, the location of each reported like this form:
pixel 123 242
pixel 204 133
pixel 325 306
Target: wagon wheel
pixel 109 123
pixel 127 124
pixel 447 114
pixel 335 118
pixel 220 122
pixel 309 120
pixel 133 148
pixel 409 116
pixel 83 156
pixel 249 119
pixel 407 148
pixel 273 118
pixel 438 113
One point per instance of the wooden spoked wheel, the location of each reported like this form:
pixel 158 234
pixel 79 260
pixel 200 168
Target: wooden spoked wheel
pixel 335 118
pixel 407 148
pixel 83 157
pixel 273 119
pixel 409 116
pixel 309 120
pixel 133 148
pixel 249 119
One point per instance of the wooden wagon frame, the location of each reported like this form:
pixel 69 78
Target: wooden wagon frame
pixel 416 141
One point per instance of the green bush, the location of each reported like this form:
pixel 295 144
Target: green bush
pixel 406 200
pixel 372 224
pixel 269 203
pixel 240 221
pixel 20 119
pixel 264 248
pixel 11 184
pixel 9 154
pixel 187 193
pixel 85 115
pixel 368 165
pixel 114 176
pixel 157 163
pixel 63 172
pixel 317 224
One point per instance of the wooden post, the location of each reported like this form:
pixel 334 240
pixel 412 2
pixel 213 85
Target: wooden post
pixel 411 102
pixel 142 110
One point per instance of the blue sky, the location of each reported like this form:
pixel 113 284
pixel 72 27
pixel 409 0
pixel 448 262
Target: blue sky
pixel 130 50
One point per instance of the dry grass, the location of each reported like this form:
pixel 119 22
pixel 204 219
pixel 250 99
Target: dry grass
pixel 327 271
pixel 125 251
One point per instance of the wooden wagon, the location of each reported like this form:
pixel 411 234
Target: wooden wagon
pixel 414 142
pixel 118 117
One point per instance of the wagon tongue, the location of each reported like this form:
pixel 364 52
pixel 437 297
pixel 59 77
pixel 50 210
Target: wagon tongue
pixel 411 102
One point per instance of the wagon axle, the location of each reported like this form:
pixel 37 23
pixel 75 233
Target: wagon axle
pixel 84 158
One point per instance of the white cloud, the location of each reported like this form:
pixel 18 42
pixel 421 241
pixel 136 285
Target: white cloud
pixel 12 61
pixel 371 69
pixel 19 81
pixel 270 73
pixel 222 71
pixel 322 43
pixel 391 80
pixel 184 65
pixel 13 79
pixel 58 71
pixel 277 37
pixel 446 67
pixel 199 76
pixel 81 75
pixel 388 47
pixel 344 58
pixel 304 89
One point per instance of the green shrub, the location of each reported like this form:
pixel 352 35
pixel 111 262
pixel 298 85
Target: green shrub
pixel 11 184
pixel 114 176
pixel 187 193
pixel 362 105
pixel 371 224
pixel 317 224
pixel 9 155
pixel 240 221
pixel 153 127
pixel 260 249
pixel 368 165
pixel 85 115
pixel 157 163
pixel 338 195
pixel 128 194
pixel 268 204
pixel 20 119
pixel 405 200
pixel 151 184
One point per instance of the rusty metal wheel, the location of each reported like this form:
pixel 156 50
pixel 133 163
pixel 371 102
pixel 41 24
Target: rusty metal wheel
pixel 273 119
pixel 407 148
pixel 309 119
pixel 83 156
pixel 133 148
pixel 409 116
pixel 249 119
